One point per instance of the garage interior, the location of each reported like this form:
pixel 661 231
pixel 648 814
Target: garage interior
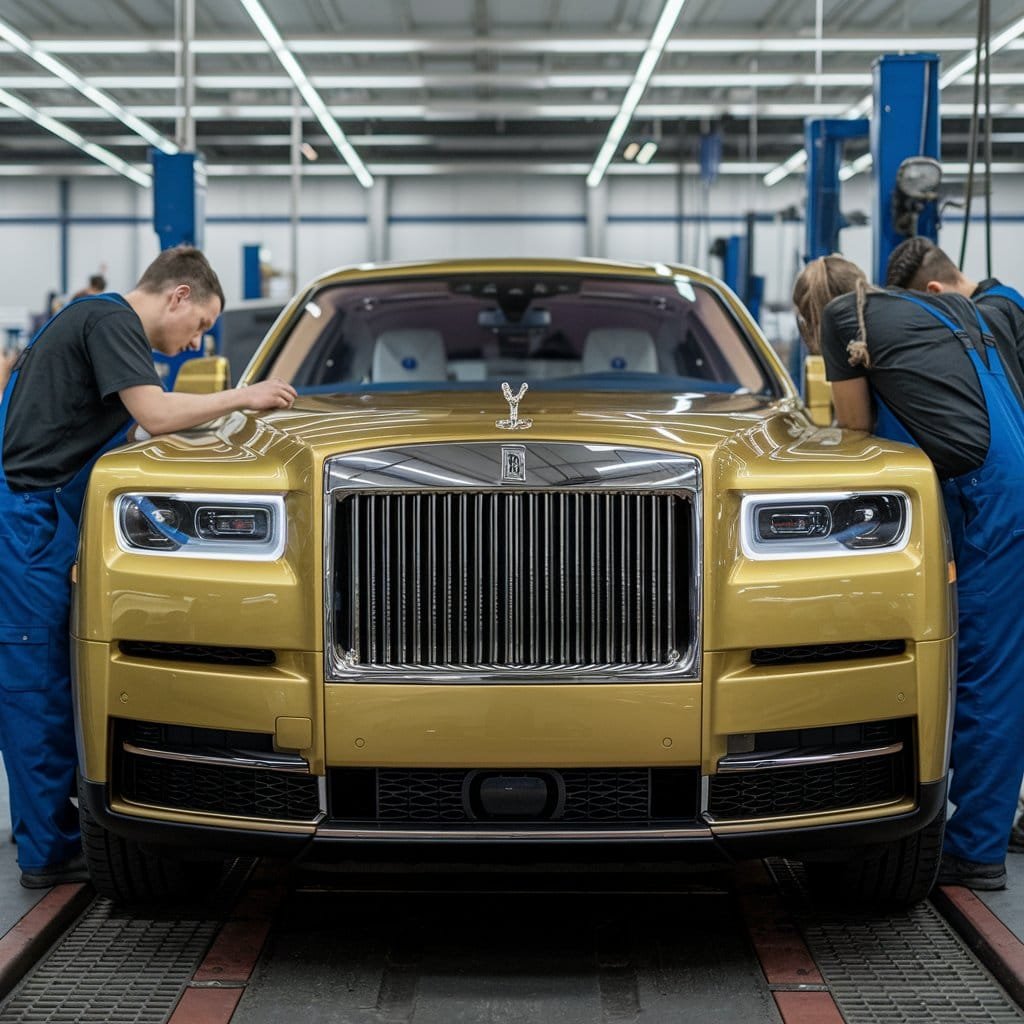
pixel 335 133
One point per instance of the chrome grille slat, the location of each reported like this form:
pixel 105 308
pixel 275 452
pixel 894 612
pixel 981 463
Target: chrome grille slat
pixel 511 579
pixel 590 570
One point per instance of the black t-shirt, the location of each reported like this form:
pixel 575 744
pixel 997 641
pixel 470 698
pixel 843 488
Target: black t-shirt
pixel 919 369
pixel 1013 355
pixel 64 406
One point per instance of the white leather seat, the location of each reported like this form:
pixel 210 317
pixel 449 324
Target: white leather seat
pixel 619 350
pixel 413 353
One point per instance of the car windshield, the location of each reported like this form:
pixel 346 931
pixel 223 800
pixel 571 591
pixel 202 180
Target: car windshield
pixel 553 331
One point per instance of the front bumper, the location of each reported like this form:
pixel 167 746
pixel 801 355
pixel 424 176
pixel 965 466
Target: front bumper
pixel 701 844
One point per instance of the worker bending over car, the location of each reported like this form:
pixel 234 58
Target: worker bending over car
pixel 925 369
pixel 72 395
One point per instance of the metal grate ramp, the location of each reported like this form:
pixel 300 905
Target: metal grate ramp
pixel 897 968
pixel 112 968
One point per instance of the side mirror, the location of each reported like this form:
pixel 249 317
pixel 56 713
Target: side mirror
pixel 204 376
pixel 817 391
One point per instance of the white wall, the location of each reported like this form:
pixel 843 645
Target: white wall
pixel 648 218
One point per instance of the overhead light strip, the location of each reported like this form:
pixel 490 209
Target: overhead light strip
pixel 648 62
pixel 62 131
pixel 468 112
pixel 1007 37
pixel 26 46
pixel 547 43
pixel 269 32
pixel 541 82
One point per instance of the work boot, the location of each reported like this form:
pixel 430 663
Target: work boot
pixel 971 874
pixel 1017 837
pixel 73 870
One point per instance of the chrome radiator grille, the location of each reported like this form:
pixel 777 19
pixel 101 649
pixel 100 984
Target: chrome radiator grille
pixel 513 579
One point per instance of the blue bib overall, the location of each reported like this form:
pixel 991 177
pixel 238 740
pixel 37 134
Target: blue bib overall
pixel 38 541
pixel 1006 292
pixel 985 508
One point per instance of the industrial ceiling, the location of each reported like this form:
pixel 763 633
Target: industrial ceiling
pixel 471 86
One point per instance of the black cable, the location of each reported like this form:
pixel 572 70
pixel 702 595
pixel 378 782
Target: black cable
pixel 987 6
pixel 972 144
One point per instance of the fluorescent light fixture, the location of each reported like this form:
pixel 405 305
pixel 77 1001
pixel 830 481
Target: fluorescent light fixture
pixel 947 78
pixel 548 43
pixel 969 60
pixel 662 30
pixel 90 92
pixel 1007 37
pixel 631 150
pixel 62 131
pixel 269 32
pixel 647 151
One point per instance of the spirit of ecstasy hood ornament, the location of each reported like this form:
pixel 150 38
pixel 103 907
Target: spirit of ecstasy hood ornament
pixel 513 422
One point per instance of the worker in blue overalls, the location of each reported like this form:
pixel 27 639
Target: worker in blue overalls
pixel 919 264
pixel 925 369
pixel 71 395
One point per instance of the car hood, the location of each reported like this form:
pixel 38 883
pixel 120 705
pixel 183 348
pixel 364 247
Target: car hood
pixel 746 429
pixel 685 419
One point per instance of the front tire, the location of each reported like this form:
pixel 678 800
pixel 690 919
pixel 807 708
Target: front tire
pixel 130 873
pixel 897 874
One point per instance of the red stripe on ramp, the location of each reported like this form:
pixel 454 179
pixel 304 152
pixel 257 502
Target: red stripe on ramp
pixel 807 1008
pixel 206 1006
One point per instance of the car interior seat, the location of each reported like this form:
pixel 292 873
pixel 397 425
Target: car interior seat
pixel 619 350
pixel 411 353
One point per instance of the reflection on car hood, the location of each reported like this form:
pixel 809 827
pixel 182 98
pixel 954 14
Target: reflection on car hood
pixel 688 421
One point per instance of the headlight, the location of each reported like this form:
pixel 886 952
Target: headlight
pixel 201 525
pixel 816 525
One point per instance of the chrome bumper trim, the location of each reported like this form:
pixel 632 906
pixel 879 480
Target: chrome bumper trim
pixel 562 834
pixel 761 763
pixel 264 762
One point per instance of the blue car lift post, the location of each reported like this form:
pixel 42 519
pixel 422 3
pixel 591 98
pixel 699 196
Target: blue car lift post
pixel 904 123
pixel 179 218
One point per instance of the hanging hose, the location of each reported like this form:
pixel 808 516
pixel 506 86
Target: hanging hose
pixel 987 8
pixel 982 64
pixel 972 144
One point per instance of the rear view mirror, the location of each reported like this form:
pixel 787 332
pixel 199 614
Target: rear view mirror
pixel 497 319
pixel 203 376
pixel 817 391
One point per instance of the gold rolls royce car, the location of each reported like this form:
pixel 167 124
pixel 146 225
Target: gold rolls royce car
pixel 548 560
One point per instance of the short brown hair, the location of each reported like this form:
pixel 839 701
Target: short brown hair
pixel 184 264
pixel 917 261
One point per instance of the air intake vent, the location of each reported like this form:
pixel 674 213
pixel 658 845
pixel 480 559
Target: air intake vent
pixel 244 656
pixel 827 652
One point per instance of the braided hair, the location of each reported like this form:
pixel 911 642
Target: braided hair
pixel 916 261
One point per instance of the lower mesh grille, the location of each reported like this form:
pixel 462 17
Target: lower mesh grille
pixel 239 792
pixel 807 789
pixel 580 797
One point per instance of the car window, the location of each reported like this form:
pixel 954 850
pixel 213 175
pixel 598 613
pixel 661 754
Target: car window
pixel 550 330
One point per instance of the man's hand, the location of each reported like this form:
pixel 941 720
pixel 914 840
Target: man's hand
pixel 163 412
pixel 269 394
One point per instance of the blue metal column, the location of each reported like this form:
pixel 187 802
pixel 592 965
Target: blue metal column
pixel 252 279
pixel 179 218
pixel 824 139
pixel 905 123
